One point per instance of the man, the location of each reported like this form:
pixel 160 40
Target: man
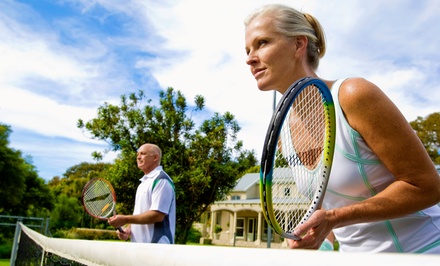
pixel 154 215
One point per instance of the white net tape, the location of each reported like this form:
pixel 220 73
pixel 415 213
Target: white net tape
pixel 92 252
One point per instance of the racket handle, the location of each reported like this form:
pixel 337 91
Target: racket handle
pixel 121 230
pixel 295 237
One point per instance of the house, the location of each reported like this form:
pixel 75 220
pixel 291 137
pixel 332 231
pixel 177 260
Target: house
pixel 240 217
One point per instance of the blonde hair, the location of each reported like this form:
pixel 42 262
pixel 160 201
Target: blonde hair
pixel 290 22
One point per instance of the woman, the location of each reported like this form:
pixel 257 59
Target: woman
pixel 384 189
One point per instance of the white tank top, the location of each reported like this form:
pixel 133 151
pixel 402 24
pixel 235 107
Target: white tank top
pixel 358 174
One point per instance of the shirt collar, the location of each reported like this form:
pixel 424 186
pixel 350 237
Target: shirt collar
pixel 152 174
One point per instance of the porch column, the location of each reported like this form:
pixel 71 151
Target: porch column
pixel 260 223
pixel 213 219
pixel 205 220
pixel 233 226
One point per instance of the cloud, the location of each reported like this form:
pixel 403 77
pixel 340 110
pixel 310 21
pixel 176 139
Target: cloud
pixel 25 109
pixel 375 40
pixel 62 60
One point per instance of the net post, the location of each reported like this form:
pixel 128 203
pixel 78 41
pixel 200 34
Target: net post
pixel 46 227
pixel 15 244
pixel 269 235
pixel 43 257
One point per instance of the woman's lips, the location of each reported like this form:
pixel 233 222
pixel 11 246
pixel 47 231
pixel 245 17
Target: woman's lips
pixel 257 72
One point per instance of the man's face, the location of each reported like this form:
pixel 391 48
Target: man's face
pixel 147 159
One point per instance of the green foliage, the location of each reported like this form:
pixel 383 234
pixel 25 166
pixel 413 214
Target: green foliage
pixel 254 169
pixel 68 191
pixel 204 163
pixel 23 192
pixel 86 233
pixel 217 229
pixel 12 172
pixel 67 213
pixel 280 161
pixel 428 130
pixel 75 178
pixel 5 246
pixel 194 236
pixel 5 250
pixel 124 175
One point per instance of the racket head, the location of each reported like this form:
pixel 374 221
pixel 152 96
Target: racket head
pixel 99 198
pixel 297 155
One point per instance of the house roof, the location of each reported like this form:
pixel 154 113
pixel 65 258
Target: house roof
pixel 241 201
pixel 247 181
pixel 250 179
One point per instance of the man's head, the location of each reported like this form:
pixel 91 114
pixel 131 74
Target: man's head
pixel 148 157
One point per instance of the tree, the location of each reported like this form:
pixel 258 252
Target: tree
pixel 67 213
pixel 204 163
pixel 22 191
pixel 428 130
pixel 75 178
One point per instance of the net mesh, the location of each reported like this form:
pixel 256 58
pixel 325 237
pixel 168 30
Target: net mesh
pixel 32 251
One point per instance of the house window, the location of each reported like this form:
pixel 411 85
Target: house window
pixel 251 229
pixel 235 197
pixel 287 192
pixel 219 218
pixel 240 227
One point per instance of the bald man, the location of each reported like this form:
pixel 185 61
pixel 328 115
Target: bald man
pixel 154 215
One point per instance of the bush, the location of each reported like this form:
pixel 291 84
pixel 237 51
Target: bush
pixel 5 246
pixel 95 234
pixel 87 234
pixel 194 235
pixel 5 249
pixel 217 229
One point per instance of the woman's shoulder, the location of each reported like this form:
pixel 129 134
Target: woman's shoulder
pixel 357 86
pixel 357 92
pixel 361 99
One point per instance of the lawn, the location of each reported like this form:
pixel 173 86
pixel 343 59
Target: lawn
pixel 4 262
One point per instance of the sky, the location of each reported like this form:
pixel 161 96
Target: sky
pixel 62 59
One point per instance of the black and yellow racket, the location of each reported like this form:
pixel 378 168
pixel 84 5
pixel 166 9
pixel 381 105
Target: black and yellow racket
pixel 297 155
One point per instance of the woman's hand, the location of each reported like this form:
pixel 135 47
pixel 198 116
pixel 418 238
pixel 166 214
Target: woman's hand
pixel 313 232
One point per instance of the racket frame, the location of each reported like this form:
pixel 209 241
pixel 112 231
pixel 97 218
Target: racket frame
pixel 112 211
pixel 112 192
pixel 270 148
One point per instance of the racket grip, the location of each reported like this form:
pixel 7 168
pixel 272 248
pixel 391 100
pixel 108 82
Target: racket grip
pixel 295 237
pixel 121 230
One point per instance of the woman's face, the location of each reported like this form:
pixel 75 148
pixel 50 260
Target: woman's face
pixel 271 56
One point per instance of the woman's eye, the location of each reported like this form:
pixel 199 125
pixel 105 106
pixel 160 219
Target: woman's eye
pixel 262 42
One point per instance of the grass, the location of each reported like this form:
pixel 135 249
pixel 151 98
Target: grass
pixel 4 262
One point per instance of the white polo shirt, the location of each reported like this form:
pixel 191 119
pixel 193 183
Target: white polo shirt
pixel 155 192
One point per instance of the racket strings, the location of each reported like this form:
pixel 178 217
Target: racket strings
pixel 298 161
pixel 98 199
pixel 307 126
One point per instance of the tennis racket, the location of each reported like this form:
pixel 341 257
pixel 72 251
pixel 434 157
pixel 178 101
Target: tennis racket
pixel 99 199
pixel 297 155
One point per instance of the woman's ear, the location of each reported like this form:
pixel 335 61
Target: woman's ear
pixel 301 43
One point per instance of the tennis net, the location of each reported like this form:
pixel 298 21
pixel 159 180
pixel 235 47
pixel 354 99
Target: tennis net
pixel 36 249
